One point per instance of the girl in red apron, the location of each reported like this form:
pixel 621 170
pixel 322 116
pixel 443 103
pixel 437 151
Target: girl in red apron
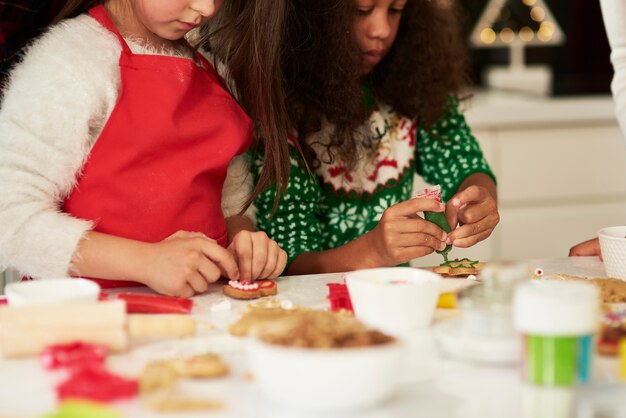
pixel 151 185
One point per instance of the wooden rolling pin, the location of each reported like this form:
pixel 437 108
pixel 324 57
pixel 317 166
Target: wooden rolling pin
pixel 28 330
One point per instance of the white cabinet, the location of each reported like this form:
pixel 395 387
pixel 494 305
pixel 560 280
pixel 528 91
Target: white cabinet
pixel 561 170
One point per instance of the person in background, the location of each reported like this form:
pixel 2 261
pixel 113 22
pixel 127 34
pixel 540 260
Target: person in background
pixel 586 248
pixel 614 15
pixel 20 22
pixel 109 131
pixel 373 91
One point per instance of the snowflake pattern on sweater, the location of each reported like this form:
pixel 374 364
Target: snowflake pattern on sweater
pixel 334 206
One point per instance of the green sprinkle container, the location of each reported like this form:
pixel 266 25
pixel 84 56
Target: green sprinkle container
pixel 557 321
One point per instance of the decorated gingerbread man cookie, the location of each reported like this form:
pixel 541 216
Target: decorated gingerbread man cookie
pixel 240 290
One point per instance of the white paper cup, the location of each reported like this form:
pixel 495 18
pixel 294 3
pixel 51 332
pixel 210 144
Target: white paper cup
pixel 396 299
pixel 51 291
pixel 613 246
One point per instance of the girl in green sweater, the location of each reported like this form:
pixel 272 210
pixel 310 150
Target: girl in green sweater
pixel 373 88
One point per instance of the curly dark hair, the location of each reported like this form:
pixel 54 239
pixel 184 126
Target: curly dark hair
pixel 426 65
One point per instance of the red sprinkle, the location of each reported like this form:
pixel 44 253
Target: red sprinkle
pixel 339 297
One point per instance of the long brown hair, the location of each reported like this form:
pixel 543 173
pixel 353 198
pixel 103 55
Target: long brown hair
pixel 246 36
pixel 425 66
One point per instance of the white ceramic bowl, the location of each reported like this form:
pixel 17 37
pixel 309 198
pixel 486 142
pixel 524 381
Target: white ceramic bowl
pixel 51 291
pixel 396 299
pixel 341 379
pixel 613 246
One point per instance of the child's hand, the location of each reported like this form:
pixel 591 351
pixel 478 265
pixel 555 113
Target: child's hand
pixel 258 256
pixel 186 262
pixel 477 211
pixel 586 248
pixel 401 235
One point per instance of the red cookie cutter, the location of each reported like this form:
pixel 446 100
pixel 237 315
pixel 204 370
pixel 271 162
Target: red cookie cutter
pixel 96 383
pixel 73 355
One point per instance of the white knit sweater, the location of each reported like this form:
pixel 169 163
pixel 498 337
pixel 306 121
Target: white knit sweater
pixel 57 102
pixel 614 14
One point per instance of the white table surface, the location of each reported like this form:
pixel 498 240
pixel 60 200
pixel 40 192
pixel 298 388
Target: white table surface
pixel 434 386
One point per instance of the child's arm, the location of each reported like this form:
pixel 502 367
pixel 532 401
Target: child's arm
pixel 400 236
pixel 57 97
pixel 449 155
pixel 298 226
pixel 181 265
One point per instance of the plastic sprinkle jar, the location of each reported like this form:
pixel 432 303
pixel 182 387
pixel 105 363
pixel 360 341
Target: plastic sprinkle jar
pixel 557 321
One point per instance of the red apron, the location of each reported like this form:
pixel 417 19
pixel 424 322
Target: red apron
pixel 160 162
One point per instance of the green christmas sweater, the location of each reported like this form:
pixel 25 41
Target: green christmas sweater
pixel 333 206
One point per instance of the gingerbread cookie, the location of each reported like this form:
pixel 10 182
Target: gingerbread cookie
pixel 612 291
pixel 201 366
pixel 165 374
pixel 240 290
pixel 176 402
pixel 462 267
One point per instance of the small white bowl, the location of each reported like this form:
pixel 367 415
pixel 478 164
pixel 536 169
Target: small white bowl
pixel 340 379
pixel 51 291
pixel 396 299
pixel 613 246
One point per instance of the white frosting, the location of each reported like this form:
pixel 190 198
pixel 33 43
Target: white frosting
pixel 243 286
pixel 222 305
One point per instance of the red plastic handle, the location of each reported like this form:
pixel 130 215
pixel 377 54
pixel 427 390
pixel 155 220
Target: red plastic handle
pixel 137 303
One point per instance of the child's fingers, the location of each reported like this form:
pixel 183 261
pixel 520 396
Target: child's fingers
pixel 471 240
pixel 485 225
pixel 281 263
pixel 272 258
pixel 259 253
pixel 242 249
pixel 469 229
pixel 404 226
pixel 208 273
pixel 474 212
pixel 223 258
pixel 419 240
pixel 452 215
pixel 184 291
pixel 188 292
pixel 198 283
pixel 471 194
pixel 409 253
pixel 412 206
